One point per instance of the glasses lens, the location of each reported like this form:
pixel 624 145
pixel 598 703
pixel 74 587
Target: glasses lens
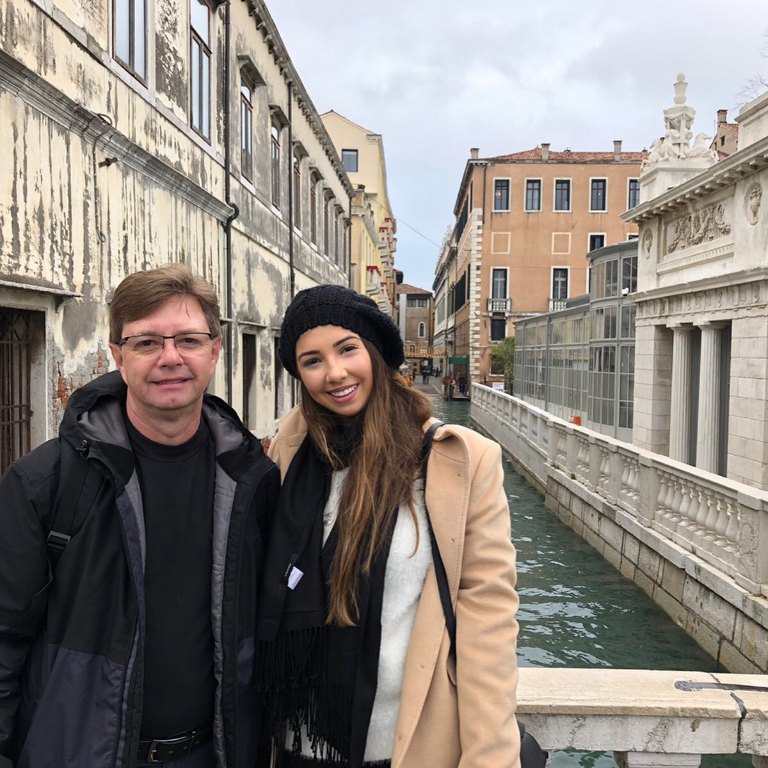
pixel 145 345
pixel 191 342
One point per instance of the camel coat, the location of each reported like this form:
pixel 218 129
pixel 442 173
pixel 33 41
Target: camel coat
pixel 456 714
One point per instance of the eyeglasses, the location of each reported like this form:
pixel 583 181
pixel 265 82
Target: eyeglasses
pixel 151 344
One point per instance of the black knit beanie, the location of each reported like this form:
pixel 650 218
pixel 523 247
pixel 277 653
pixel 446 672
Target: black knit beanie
pixel 336 305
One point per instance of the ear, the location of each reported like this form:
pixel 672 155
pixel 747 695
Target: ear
pixel 216 350
pixel 117 355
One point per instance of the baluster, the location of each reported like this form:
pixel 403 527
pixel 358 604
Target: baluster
pixel 693 511
pixel 661 501
pixel 624 486
pixel 685 505
pixel 732 532
pixel 711 522
pixel 632 480
pixel 721 524
pixel 701 518
pixel 668 499
pixel 677 500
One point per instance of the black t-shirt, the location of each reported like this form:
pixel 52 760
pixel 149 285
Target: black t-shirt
pixel 177 487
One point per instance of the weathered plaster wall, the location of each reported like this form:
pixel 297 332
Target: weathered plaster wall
pixel 106 177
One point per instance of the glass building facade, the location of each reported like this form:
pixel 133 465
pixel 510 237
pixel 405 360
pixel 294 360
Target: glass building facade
pixel 580 361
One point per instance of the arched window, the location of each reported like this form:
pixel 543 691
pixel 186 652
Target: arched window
pixel 422 330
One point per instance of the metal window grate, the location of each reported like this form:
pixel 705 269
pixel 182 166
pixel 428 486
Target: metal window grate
pixel 15 390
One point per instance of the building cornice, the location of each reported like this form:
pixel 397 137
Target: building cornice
pixel 465 181
pixel 714 283
pixel 98 130
pixel 276 47
pixel 725 173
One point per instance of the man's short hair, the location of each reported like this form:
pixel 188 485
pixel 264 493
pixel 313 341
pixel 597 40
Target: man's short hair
pixel 142 293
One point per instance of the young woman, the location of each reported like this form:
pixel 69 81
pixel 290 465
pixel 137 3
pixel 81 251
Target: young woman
pixel 356 664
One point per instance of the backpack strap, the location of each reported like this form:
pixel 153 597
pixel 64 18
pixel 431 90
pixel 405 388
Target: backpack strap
pixel 440 573
pixel 78 485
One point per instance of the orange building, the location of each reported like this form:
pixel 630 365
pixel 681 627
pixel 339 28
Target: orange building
pixel 524 224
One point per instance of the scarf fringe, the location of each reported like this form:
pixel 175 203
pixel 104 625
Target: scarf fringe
pixel 314 720
pixel 302 706
pixel 293 659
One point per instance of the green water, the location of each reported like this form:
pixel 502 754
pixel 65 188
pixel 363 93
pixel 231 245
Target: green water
pixel 576 610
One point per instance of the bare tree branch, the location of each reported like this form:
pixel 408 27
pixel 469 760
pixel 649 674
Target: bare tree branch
pixel 757 84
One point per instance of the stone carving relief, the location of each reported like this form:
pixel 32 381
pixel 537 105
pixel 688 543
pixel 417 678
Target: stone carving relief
pixel 732 297
pixel 754 198
pixel 676 146
pixel 699 227
pixel 647 243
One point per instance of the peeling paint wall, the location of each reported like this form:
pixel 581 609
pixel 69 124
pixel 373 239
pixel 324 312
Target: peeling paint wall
pixel 103 176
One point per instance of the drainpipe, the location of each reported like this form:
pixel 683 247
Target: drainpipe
pixel 349 246
pixel 290 188
pixel 227 197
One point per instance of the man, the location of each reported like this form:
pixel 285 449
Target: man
pixel 128 639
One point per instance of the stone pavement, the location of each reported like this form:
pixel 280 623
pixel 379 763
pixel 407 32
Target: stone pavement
pixel 434 388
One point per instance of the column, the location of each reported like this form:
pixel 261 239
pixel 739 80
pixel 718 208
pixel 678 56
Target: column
pixel 679 416
pixel 708 437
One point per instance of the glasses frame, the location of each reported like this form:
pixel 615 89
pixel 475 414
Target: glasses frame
pixel 211 337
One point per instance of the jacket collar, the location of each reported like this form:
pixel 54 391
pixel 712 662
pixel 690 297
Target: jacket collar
pixel 94 424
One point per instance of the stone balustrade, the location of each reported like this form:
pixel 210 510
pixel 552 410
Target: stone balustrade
pixel 695 542
pixel 720 521
pixel 647 718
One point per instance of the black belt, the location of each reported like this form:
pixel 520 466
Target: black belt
pixel 162 750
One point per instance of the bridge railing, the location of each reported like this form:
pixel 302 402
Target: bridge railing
pixel 647 718
pixel 723 522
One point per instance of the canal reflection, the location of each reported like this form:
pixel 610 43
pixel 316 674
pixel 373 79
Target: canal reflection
pixel 576 610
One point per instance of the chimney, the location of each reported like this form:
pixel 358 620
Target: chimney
pixel 545 152
pixel 722 116
pixel 474 153
pixel 617 151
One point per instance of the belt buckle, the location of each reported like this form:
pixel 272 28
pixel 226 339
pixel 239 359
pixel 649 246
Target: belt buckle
pixel 178 741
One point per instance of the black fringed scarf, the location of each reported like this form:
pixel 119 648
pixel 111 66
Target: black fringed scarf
pixel 318 680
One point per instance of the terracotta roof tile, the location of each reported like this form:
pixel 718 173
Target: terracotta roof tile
pixel 570 157
pixel 405 288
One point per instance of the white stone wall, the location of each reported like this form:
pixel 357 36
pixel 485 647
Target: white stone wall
pixel 748 423
pixel 103 176
pixel 653 368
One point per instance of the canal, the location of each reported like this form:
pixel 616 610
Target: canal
pixel 576 610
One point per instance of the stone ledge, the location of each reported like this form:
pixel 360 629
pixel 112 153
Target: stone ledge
pixel 645 710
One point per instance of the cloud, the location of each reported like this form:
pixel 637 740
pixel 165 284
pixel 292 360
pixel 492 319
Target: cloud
pixel 436 77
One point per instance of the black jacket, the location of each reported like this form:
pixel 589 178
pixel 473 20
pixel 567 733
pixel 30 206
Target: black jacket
pixel 71 646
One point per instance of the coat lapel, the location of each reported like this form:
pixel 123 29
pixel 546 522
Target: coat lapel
pixel 447 499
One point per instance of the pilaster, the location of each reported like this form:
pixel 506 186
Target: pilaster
pixel 679 427
pixel 708 434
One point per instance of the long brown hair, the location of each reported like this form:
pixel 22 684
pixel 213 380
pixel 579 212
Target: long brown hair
pixel 382 472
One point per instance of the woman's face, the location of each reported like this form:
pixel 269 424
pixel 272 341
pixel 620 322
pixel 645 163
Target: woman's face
pixel 336 369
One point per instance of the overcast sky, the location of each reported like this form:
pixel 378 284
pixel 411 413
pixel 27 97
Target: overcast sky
pixel 437 77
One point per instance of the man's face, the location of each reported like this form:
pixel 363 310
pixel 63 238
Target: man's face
pixel 171 381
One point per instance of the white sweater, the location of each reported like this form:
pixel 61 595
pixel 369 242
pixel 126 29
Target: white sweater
pixel 403 584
